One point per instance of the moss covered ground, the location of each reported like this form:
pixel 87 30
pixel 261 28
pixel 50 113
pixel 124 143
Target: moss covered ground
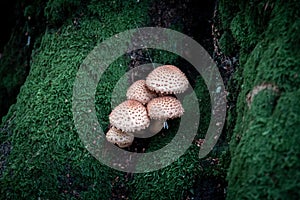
pixel 47 158
pixel 43 156
pixel 265 139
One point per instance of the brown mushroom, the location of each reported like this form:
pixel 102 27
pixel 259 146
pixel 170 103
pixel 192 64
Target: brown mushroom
pixel 139 92
pixel 129 116
pixel 120 138
pixel 167 79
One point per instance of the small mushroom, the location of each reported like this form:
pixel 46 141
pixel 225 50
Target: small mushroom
pixel 120 138
pixel 167 79
pixel 138 91
pixel 163 108
pixel 129 116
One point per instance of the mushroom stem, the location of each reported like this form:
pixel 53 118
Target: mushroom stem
pixel 156 126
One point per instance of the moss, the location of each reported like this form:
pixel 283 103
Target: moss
pixel 264 103
pixel 268 152
pixel 226 16
pixel 228 44
pixel 243 34
pixel 57 11
pixel 48 160
pixel 245 26
pixel 263 148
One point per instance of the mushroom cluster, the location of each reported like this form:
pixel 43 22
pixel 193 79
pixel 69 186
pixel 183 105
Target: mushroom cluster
pixel 149 104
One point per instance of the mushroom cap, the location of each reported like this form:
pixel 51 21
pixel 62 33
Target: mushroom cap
pixel 138 91
pixel 116 136
pixel 167 79
pixel 163 108
pixel 129 116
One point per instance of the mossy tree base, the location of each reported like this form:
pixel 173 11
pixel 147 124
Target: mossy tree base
pixel 265 154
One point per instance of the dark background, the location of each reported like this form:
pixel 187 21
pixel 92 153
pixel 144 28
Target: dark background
pixel 7 17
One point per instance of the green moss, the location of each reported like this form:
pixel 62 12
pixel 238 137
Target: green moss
pixel 227 10
pixel 228 44
pixel 48 160
pixel 264 103
pixel 244 35
pixel 106 89
pixel 57 11
pixel 241 18
pixel 268 153
pixel 265 156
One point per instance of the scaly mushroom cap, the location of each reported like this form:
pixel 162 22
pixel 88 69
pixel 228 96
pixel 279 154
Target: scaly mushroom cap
pixel 129 116
pixel 163 108
pixel 120 138
pixel 139 92
pixel 167 79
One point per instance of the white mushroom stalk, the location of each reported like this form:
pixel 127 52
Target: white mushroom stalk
pixel 155 127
